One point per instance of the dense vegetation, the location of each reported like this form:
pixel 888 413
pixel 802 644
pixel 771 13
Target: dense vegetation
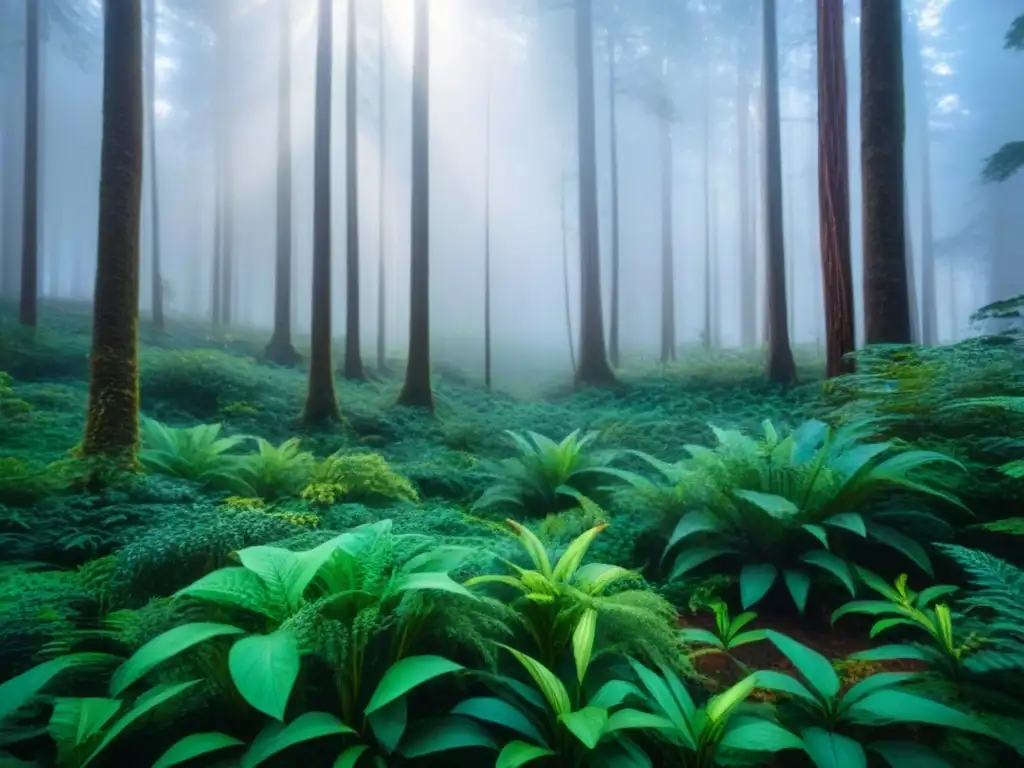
pixel 564 580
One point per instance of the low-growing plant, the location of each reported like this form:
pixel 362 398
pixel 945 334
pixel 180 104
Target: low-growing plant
pixel 197 453
pixel 356 477
pixel 729 633
pixel 275 472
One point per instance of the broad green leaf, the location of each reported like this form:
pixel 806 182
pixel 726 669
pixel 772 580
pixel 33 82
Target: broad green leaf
pixel 929 595
pixel 163 647
pixel 235 586
pixel 719 707
pixel 406 674
pixel 849 521
pixel 744 638
pixel 438 560
pixel 264 669
pixel 632 719
pixel 776 506
pixel 908 754
pixel 519 753
pixel 500 712
pixel 902 543
pixel 755 581
pixel 573 556
pixel 444 734
pixel 21 689
pixel 75 721
pixel 195 745
pixel 583 642
pixel 895 706
pixel 817 532
pixel 881 626
pixel 388 724
pixel 680 713
pixel 350 756
pixel 554 692
pixel 700 521
pixel 834 565
pixel 780 681
pixel 441 582
pixel 816 669
pixel 874 683
pixel 755 734
pixel 276 737
pixel 508 581
pixel 586 724
pixel 799 585
pixel 892 652
pixel 694 635
pixel 833 750
pixel 691 558
pixel 534 548
pixel 866 607
pixel 147 702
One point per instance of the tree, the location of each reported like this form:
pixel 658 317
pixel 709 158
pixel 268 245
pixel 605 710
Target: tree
pixel 665 112
pixel 834 189
pixel 488 39
pixel 157 294
pixel 321 401
pixel 417 391
pixel 886 289
pixel 382 362
pixel 781 366
pixel 112 428
pixel 28 306
pixel 593 368
pixel 353 366
pixel 280 349
pixel 1009 159
pixel 613 139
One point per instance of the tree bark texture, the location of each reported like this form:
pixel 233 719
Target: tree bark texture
pixel 353 366
pixel 668 278
pixel 613 138
pixel 382 362
pixel 28 305
pixel 156 286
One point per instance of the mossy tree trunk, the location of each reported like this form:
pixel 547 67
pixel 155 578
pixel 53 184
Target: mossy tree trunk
pixel 353 366
pixel 112 424
pixel 28 305
pixel 157 287
pixel 280 349
pixel 593 368
pixel 886 289
pixel 834 189
pixel 417 390
pixel 321 401
pixel 781 366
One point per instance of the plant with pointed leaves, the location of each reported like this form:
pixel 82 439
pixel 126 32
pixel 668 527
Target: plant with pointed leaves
pixel 197 453
pixel 557 602
pixel 776 506
pixel 547 477
pixel 277 471
pixel 728 633
pixel 825 718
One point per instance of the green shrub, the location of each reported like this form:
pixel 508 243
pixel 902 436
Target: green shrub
pixel 198 454
pixel 356 477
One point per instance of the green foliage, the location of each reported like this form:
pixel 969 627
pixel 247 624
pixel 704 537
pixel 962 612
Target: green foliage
pixel 727 635
pixel 782 504
pixel 546 476
pixel 197 453
pixel 356 477
pixel 12 408
pixel 1006 161
pixel 276 472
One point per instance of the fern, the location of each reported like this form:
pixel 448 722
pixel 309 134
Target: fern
pixel 276 472
pixel 197 453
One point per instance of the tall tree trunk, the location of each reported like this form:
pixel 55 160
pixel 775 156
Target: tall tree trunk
pixel 28 306
pixel 157 287
pixel 593 365
pixel 781 367
pixel 929 305
pixel 382 360
pixel 748 251
pixel 565 280
pixel 227 169
pixel 218 229
pixel 280 349
pixel 613 138
pixel 488 379
pixel 353 366
pixel 417 390
pixel 834 189
pixel 668 279
pixel 886 292
pixel 112 422
pixel 716 288
pixel 915 319
pixel 321 401
pixel 707 208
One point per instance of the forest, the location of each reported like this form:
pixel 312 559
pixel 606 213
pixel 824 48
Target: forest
pixel 584 383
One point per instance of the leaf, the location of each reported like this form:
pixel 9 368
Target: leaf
pixel 630 719
pixel 388 724
pixel 929 595
pixel 776 506
pixel 874 683
pixel 895 706
pixel 21 689
pixel 691 558
pixel 586 724
pixel 755 734
pixel 264 669
pixel 849 521
pixel 908 754
pixel 163 647
pixel 276 737
pixel 573 556
pixel 866 607
pixel 195 745
pixel 75 721
pixel 755 581
pixel 832 750
pixel 441 582
pixel 583 642
pixel 799 585
pixel 893 652
pixel 552 688
pixel 519 753
pixel 147 702
pixel 780 681
pixel 234 586
pixel 834 565
pixel 500 712
pixel 407 674
pixel 817 532
pixel 443 734
pixel 678 709
pixel 350 756
pixel 699 521
pixel 816 669
pixel 903 544
pixel 719 707
pixel 533 547
pixel 441 559
pixel 694 635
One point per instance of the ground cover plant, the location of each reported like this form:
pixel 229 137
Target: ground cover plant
pixel 566 580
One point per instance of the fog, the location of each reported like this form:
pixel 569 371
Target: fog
pixel 522 52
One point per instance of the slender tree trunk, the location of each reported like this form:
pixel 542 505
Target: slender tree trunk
pixel 707 209
pixel 321 401
pixel 565 280
pixel 613 137
pixel 886 292
pixel 280 349
pixel 748 251
pixel 353 366
pixel 227 283
pixel 915 319
pixel 781 366
pixel 668 280
pixel 834 189
pixel 382 360
pixel 593 366
pixel 218 231
pixel 929 309
pixel 488 380
pixel 112 426
pixel 417 388
pixel 716 288
pixel 28 306
pixel 157 292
